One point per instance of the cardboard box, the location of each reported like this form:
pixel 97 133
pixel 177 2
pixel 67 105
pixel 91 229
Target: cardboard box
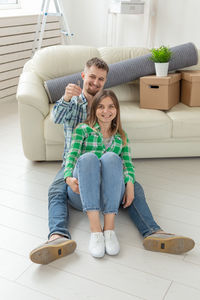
pixel 160 92
pixel 190 88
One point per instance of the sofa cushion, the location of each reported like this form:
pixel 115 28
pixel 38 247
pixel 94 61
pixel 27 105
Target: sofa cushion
pixel 127 92
pixel 61 60
pixel 115 54
pixel 186 121
pixel 145 124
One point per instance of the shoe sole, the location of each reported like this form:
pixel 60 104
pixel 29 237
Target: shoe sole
pixel 173 245
pixel 49 253
pixel 112 253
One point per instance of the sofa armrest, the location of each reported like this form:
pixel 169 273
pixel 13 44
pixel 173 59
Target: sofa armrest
pixel 31 92
pixel 32 132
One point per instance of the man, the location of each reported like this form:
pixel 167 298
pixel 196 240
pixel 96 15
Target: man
pixel 71 110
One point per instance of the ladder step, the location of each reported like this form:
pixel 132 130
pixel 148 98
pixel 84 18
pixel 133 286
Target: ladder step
pixel 53 14
pixel 66 33
pixel 42 18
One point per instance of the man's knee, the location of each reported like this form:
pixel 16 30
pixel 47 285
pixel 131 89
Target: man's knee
pixel 57 187
pixel 138 188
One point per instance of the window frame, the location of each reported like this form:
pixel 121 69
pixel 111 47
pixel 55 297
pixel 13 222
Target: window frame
pixel 11 5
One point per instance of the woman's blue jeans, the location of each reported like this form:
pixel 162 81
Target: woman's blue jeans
pixel 138 211
pixel 101 183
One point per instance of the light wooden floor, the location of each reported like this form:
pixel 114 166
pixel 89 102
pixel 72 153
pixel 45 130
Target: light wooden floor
pixel 172 188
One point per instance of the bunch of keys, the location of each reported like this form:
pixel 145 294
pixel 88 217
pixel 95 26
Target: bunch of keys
pixel 79 99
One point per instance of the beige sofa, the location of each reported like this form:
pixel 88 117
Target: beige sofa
pixel 153 133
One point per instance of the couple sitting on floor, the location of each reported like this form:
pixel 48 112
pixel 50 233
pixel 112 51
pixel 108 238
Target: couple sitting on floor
pixel 97 175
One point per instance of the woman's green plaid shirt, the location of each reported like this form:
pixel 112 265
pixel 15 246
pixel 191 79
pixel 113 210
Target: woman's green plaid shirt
pixel 86 139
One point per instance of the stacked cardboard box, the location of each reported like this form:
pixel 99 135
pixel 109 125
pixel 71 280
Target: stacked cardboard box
pixel 160 92
pixel 190 88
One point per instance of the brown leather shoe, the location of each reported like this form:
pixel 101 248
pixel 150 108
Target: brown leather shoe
pixel 52 250
pixel 168 243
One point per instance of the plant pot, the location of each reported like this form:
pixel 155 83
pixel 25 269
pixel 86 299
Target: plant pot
pixel 162 69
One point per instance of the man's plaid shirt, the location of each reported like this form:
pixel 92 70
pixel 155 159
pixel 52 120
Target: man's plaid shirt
pixel 86 139
pixel 70 114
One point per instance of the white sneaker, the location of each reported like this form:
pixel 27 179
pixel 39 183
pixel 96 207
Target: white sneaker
pixel 111 242
pixel 97 244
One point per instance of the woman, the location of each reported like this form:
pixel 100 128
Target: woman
pixel 99 171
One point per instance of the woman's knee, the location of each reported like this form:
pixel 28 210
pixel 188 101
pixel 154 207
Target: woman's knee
pixel 88 157
pixel 111 158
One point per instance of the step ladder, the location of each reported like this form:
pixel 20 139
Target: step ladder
pixel 41 22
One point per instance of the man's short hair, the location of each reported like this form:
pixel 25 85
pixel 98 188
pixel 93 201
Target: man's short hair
pixel 97 62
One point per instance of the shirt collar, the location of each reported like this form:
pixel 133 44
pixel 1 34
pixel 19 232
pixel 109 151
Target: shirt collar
pixel 98 128
pixel 83 97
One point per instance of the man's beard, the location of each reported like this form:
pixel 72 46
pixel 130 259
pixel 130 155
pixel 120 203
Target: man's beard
pixel 91 92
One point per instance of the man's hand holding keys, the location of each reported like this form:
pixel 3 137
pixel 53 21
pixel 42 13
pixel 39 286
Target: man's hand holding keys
pixel 72 90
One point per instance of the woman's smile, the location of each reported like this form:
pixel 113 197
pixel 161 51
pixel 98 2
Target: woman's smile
pixel 106 110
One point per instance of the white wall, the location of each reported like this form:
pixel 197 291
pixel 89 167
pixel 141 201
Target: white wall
pixel 87 20
pixel 177 22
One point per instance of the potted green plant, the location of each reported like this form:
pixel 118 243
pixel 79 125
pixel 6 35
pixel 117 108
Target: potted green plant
pixel 161 57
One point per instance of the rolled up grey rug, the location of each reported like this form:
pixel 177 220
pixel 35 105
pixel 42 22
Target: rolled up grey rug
pixel 183 56
pixel 124 71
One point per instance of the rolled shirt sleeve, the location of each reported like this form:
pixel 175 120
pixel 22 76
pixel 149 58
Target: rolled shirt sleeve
pixel 128 168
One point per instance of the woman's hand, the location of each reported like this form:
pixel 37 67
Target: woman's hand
pixel 128 195
pixel 73 183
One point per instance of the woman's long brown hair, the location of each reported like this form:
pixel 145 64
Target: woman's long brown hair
pixel 116 126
